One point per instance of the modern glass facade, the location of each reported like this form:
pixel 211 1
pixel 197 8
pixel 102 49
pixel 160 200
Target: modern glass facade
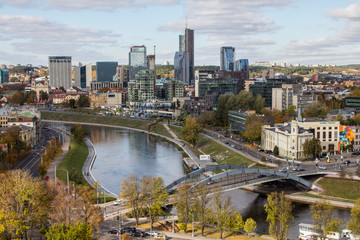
pixel 143 87
pixel 242 65
pixel 105 71
pixel 181 67
pixel 182 43
pixel 4 76
pixel 137 60
pixel 227 58
pixel 189 47
pixel 60 71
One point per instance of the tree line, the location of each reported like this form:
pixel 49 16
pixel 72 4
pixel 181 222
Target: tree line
pixel 31 208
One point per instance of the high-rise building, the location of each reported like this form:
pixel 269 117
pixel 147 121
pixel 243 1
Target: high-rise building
pixel 105 71
pixel 150 62
pixel 4 76
pixel 181 67
pixel 189 47
pixel 137 60
pixel 182 43
pixel 227 58
pixel 242 65
pixel 60 71
pixel 143 87
pixel 122 75
pixel 83 76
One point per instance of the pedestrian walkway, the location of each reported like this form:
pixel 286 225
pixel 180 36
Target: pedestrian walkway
pixel 55 164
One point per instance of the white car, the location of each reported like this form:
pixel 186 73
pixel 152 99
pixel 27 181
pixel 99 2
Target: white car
pixel 322 167
pixel 153 234
pixel 117 202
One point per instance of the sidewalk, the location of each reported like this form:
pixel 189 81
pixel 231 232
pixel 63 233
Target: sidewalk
pixel 57 161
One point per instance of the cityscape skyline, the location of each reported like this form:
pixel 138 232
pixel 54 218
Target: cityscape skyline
pixel 276 31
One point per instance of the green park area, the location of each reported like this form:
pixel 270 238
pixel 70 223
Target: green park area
pixel 340 188
pixel 116 121
pixel 220 153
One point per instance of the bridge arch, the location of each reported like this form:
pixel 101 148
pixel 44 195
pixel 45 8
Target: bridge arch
pixel 238 170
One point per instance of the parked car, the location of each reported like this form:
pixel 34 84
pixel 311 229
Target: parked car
pixel 128 229
pixel 138 233
pixel 153 234
pixel 114 231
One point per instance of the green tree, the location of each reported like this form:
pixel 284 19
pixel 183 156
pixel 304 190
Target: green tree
pixel 44 95
pixel 253 124
pixel 315 110
pixel 279 215
pixel 244 100
pixel 185 204
pixel 154 197
pixel 259 103
pixel 72 232
pixel 202 206
pixel 222 110
pixel 222 211
pixel 323 218
pixel 191 130
pixel 72 103
pixel 78 132
pixel 236 222
pixel 130 190
pixel 312 147
pixel 83 101
pixel 276 151
pixel 291 111
pixel 207 118
pixel 354 222
pixel 250 225
pixel 18 98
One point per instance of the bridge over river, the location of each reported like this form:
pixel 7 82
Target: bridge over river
pixel 238 176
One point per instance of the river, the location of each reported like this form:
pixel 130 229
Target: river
pixel 121 153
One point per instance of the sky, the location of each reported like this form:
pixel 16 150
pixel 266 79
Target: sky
pixel 305 31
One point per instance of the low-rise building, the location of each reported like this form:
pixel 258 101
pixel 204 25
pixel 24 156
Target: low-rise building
pixel 106 99
pixel 28 120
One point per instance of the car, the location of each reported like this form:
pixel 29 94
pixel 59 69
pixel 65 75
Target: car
pixel 261 175
pixel 117 202
pixel 211 182
pixel 298 169
pixel 128 229
pixel 153 234
pixel 114 231
pixel 138 233
pixel 347 162
pixel 284 170
pixel 322 167
pixel 171 191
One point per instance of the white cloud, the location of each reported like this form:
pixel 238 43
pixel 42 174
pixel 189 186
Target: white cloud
pixel 349 13
pixel 40 29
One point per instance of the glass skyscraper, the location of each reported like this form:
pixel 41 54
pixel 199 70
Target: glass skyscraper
pixel 227 58
pixel 4 76
pixel 105 71
pixel 181 67
pixel 137 60
pixel 242 65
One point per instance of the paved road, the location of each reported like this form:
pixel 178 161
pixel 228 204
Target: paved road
pixel 32 159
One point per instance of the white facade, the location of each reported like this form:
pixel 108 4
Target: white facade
pixel 289 138
pixel 60 71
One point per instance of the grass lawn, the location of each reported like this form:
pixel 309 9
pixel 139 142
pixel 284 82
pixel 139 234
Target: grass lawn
pixel 117 121
pixel 75 158
pixel 220 153
pixel 342 188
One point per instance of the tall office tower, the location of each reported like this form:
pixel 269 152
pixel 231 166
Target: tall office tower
pixel 105 71
pixel 83 76
pixel 4 76
pixel 122 75
pixel 189 47
pixel 242 65
pixel 227 58
pixel 60 71
pixel 150 62
pixel 182 43
pixel 181 67
pixel 137 60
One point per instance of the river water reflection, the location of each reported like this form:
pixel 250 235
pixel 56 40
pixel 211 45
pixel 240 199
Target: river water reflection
pixel 121 153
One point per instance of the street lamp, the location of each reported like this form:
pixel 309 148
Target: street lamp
pixel 67 178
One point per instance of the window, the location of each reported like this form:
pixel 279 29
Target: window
pixel 324 147
pixel 324 136
pixel 318 135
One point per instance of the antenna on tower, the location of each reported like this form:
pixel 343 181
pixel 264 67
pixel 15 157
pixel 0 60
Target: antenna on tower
pixel 186 22
pixel 154 49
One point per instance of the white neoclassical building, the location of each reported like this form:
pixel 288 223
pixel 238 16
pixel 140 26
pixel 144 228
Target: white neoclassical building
pixel 288 137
